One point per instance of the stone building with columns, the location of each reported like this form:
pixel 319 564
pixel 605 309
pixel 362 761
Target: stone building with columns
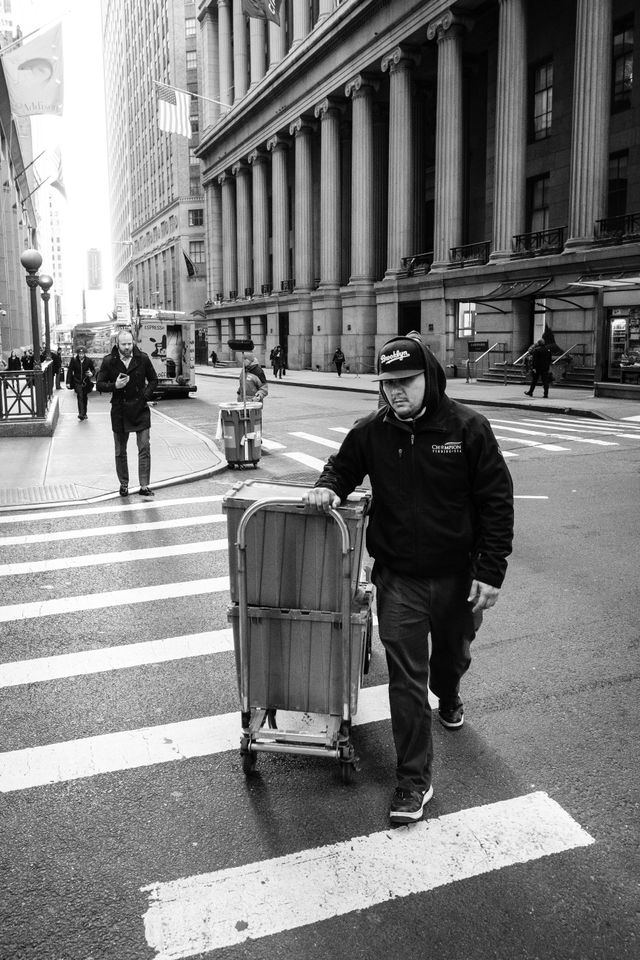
pixel 471 170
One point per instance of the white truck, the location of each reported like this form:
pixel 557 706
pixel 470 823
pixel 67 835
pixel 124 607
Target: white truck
pixel 170 342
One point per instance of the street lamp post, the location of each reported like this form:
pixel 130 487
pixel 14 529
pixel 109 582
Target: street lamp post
pixel 46 282
pixel 31 260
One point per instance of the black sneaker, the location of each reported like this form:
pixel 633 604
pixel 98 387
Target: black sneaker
pixel 124 490
pixel 146 492
pixel 451 714
pixel 407 805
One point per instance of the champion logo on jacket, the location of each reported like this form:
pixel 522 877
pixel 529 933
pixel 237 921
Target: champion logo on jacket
pixel 452 446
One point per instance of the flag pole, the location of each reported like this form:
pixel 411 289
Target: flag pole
pixel 161 83
pixel 24 169
pixel 27 36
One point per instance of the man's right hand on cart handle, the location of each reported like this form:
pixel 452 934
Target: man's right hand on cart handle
pixel 322 498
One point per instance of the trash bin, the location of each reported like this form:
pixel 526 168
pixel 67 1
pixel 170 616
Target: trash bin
pixel 241 425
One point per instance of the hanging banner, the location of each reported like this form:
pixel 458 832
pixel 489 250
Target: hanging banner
pixel 34 75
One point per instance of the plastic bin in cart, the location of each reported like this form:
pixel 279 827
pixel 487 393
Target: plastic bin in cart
pixel 241 426
pixel 301 659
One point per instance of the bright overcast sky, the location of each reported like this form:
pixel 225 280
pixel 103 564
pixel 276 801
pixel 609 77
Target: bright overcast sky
pixel 81 134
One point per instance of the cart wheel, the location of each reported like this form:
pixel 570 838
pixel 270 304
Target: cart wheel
pixel 347 769
pixel 248 763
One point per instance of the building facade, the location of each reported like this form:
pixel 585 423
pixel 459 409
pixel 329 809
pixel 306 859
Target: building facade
pixel 157 207
pixel 468 170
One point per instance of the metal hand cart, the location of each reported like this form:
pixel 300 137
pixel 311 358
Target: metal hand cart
pixel 308 663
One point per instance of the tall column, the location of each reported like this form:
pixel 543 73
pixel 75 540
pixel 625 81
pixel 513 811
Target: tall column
pixel 243 227
pixel 258 161
pixel 277 42
pixel 257 43
pixel 511 128
pixel 360 89
pixel 214 234
pixel 240 52
pixel 402 200
pixel 208 40
pixel 301 131
pixel 449 172
pixel 330 200
pixel 301 21
pixel 225 57
pixel 590 124
pixel 324 9
pixel 279 210
pixel 229 236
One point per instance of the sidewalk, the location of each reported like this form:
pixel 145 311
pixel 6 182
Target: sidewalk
pixel 77 463
pixel 36 471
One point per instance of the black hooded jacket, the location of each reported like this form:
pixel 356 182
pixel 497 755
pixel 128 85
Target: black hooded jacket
pixel 442 493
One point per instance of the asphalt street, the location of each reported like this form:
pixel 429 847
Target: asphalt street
pixel 129 829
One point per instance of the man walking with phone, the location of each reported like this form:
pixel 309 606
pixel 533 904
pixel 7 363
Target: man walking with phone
pixel 129 376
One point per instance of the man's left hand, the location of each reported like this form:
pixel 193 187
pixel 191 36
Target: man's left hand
pixel 482 595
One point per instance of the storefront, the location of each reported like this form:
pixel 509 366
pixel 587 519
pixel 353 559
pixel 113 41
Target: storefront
pixel 623 336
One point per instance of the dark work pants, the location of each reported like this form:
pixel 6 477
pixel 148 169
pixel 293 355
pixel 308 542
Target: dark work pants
pixel 543 376
pixel 81 395
pixel 144 457
pixel 408 611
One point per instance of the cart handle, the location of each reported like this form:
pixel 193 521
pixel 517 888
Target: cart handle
pixel 243 619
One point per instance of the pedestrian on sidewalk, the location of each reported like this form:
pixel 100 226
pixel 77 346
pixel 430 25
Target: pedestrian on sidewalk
pixel 214 358
pixel 277 362
pixel 80 377
pixel 13 363
pixel 128 375
pixel 541 367
pixel 57 366
pixel 338 359
pixel 440 533
pixel 28 359
pixel 255 381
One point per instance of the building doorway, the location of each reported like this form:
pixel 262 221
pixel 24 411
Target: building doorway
pixel 408 317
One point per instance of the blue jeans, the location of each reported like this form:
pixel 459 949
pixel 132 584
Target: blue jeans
pixel 144 457
pixel 408 611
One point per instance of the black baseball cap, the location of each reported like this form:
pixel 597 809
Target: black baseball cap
pixel 402 357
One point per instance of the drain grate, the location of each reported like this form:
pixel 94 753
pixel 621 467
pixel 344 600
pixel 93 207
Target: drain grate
pixel 50 493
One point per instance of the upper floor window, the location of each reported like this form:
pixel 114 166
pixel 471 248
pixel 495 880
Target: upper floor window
pixel 622 80
pixel 192 60
pixel 196 251
pixel 190 27
pixel 542 101
pixel 538 203
pixel 617 187
pixel 196 218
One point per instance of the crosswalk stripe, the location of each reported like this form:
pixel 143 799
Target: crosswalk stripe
pixel 110 531
pixel 340 429
pixel 86 662
pixel 578 428
pixel 63 514
pixel 144 747
pixel 113 598
pixel 314 439
pixel 120 556
pixel 306 460
pixel 195 915
pixel 558 436
pixel 508 454
pixel 532 443
pixel 272 445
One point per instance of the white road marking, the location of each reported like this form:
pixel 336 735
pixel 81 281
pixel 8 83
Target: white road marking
pixel 95 511
pixel 120 556
pixel 194 915
pixel 523 497
pixel 631 419
pixel 532 443
pixel 340 429
pixel 116 530
pixel 306 460
pixel 272 445
pixel 579 428
pixel 508 454
pixel 558 436
pixel 86 662
pixel 113 598
pixel 314 439
pixel 129 749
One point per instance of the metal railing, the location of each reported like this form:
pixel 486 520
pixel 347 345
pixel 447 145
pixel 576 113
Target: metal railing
pixel 539 243
pixel 26 394
pixel 472 371
pixel 287 286
pixel 622 229
pixel 417 262
pixel 470 254
pixel 563 356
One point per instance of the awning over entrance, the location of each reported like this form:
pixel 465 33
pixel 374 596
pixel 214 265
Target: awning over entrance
pixel 515 290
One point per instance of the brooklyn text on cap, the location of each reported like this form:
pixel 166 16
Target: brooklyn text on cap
pixel 400 358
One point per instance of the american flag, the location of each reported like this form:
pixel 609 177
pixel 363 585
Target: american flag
pixel 173 110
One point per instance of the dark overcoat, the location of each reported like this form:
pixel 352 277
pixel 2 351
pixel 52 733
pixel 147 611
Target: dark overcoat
pixel 129 406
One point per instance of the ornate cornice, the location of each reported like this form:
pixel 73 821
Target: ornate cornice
pixel 359 85
pixel 300 124
pixel 447 25
pixel 326 107
pixel 400 55
pixel 277 141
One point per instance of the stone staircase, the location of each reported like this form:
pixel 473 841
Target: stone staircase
pixel 579 377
